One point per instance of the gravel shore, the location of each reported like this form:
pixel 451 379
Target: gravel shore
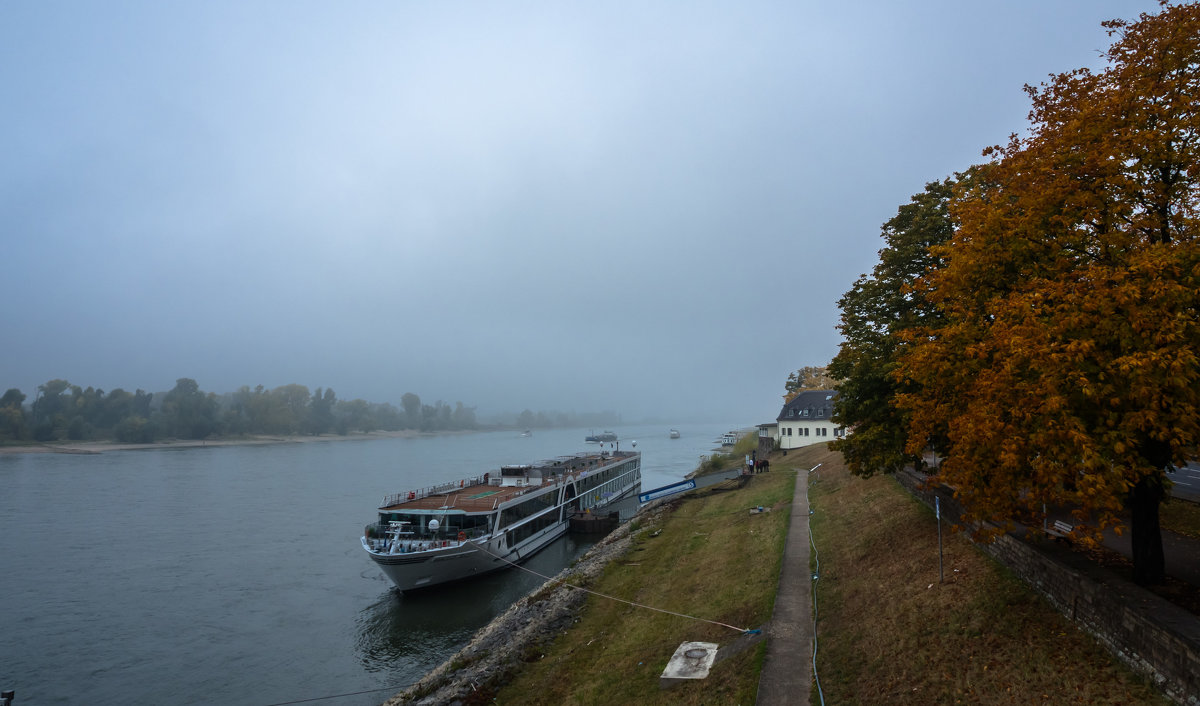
pixel 524 631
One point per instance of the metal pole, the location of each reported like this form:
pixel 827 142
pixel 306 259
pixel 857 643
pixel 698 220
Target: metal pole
pixel 937 503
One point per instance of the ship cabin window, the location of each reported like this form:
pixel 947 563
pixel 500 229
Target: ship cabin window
pixel 527 530
pixel 512 515
pixel 450 524
pixel 595 480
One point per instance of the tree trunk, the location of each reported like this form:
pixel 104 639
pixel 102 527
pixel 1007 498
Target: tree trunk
pixel 1149 566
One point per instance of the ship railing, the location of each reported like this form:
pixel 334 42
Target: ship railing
pixel 380 539
pixel 381 529
pixel 440 489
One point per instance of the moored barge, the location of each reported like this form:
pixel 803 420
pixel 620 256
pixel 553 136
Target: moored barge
pixel 469 527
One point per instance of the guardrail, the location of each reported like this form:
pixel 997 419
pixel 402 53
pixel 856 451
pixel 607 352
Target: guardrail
pixel 440 489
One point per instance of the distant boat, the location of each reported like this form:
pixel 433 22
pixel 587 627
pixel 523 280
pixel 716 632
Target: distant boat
pixel 600 438
pixel 674 433
pixel 526 433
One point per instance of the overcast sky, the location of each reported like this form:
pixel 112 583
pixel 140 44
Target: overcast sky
pixel 644 207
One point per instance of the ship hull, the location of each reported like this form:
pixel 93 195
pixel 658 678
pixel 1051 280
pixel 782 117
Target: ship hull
pixel 415 572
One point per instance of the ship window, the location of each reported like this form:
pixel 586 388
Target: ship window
pixel 532 506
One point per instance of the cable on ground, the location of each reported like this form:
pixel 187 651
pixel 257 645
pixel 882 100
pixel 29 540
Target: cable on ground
pixel 613 598
pixel 816 575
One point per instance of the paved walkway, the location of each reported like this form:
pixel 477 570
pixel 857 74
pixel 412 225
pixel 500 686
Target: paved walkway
pixel 786 676
pixel 1181 554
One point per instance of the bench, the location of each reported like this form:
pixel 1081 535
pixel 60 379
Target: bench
pixel 1061 530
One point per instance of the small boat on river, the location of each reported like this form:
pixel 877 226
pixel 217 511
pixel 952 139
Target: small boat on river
pixel 674 433
pixel 469 527
pixel 600 438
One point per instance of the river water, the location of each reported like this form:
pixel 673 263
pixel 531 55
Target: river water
pixel 234 574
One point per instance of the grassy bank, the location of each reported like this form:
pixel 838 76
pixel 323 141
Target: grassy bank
pixel 889 632
pixel 708 558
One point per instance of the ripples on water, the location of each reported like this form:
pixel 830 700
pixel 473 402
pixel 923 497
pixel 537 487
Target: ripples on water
pixel 234 574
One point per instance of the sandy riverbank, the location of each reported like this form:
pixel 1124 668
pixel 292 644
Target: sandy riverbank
pixel 96 447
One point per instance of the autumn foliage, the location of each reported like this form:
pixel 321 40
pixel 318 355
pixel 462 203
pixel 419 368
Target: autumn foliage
pixel 810 377
pixel 1063 368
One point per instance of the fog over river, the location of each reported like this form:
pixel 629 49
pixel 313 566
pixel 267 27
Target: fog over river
pixel 234 575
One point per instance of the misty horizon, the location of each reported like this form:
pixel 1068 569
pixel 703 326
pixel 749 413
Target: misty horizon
pixel 646 208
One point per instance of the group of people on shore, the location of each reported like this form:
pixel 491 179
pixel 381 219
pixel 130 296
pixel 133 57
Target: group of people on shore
pixel 756 465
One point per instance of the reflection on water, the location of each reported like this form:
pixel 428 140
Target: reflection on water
pixel 423 628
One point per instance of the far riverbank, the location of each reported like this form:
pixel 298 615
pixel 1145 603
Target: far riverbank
pixel 96 447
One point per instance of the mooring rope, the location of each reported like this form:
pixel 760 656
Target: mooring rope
pixel 614 598
pixel 393 689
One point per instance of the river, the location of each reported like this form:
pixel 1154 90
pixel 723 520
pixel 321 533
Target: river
pixel 234 574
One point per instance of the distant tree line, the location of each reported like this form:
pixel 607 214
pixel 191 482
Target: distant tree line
pixel 62 411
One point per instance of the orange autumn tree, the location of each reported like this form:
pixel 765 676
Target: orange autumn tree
pixel 810 377
pixel 1064 371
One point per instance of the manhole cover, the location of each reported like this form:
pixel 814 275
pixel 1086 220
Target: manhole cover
pixel 696 653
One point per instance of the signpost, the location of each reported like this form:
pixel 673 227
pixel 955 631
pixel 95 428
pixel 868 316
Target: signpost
pixel 937 504
pixel 666 490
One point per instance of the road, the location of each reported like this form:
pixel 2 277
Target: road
pixel 1187 482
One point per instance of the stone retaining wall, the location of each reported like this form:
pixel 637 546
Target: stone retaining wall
pixel 1156 638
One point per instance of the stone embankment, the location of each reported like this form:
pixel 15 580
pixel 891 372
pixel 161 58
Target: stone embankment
pixel 1152 636
pixel 523 632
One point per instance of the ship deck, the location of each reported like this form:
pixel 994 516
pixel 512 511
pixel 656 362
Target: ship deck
pixel 471 498
pixel 474 496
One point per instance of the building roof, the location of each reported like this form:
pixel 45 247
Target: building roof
pixel 810 405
